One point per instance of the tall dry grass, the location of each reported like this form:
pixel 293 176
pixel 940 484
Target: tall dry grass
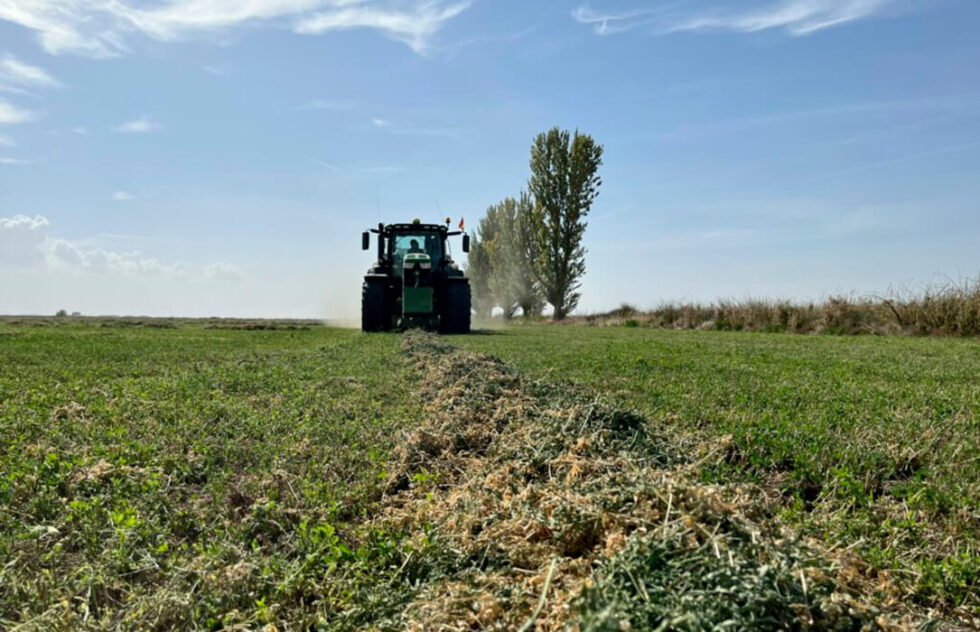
pixel 951 309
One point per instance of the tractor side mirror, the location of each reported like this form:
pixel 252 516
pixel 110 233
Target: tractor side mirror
pixel 466 243
pixel 365 240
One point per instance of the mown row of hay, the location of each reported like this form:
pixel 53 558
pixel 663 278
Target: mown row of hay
pixel 530 506
pixel 152 322
pixel 952 309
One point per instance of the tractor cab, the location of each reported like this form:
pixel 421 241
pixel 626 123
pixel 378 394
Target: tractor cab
pixel 414 282
pixel 412 246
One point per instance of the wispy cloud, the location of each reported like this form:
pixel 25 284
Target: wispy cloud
pixel 413 27
pixel 17 75
pixel 142 125
pixel 888 162
pixel 325 104
pixel 81 131
pixel 15 161
pixel 380 169
pixel 915 107
pixel 98 29
pixel 6 142
pixel 123 196
pixel 444 132
pixel 610 23
pixel 451 49
pixel 797 17
pixel 363 169
pixel 327 165
pixel 11 114
pixel 391 127
pixel 77 26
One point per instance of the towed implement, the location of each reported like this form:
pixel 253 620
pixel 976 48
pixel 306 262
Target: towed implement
pixel 414 283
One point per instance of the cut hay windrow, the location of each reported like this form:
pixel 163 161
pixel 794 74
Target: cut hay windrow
pixel 531 506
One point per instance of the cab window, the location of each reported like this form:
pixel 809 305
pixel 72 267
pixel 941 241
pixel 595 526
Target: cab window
pixel 429 243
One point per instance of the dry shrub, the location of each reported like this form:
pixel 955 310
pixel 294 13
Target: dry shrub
pixel 951 309
pixel 840 315
pixel 948 309
pixel 530 504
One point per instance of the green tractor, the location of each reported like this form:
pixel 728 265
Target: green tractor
pixel 414 282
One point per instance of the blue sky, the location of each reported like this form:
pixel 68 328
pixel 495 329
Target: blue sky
pixel 200 157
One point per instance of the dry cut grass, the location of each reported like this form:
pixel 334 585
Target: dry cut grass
pixel 537 507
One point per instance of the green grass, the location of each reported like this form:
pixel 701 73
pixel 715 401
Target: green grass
pixel 875 442
pixel 158 478
pixel 187 477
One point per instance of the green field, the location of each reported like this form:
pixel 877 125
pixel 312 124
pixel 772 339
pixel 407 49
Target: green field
pixel 874 440
pixel 191 477
pixel 163 477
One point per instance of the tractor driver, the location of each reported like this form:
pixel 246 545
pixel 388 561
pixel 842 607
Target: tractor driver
pixel 414 246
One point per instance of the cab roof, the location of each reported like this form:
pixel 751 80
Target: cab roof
pixel 417 228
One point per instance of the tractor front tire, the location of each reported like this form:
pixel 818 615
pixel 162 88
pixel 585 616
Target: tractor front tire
pixel 456 315
pixel 374 307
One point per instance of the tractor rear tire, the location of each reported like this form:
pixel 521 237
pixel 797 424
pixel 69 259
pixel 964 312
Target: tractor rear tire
pixel 374 307
pixel 456 315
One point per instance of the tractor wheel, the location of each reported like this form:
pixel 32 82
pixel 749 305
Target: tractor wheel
pixel 456 315
pixel 374 307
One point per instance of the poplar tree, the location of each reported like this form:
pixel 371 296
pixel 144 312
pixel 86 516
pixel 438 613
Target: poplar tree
pixel 479 270
pixel 513 253
pixel 564 183
pixel 493 229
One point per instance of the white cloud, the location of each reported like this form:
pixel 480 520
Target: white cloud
pixel 451 49
pixel 81 131
pixel 21 239
pixel 25 242
pixel 98 29
pixel 414 28
pixel 11 114
pixel 379 122
pixel 77 26
pixel 15 161
pixel 615 22
pixel 141 125
pixel 65 254
pixel 123 196
pixel 17 74
pixel 6 142
pixel 223 271
pixel 798 17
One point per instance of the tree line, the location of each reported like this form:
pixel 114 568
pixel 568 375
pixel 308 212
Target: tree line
pixel 527 250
